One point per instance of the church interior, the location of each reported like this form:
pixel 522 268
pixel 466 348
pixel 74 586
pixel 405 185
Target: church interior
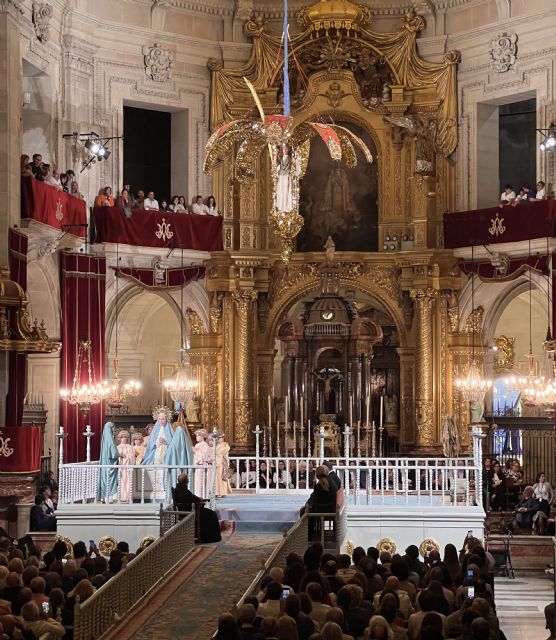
pixel 277 318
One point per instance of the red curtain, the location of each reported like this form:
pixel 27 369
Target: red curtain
pixel 44 203
pixel 168 277
pixel 157 229
pixel 82 290
pixel 20 449
pixel 17 361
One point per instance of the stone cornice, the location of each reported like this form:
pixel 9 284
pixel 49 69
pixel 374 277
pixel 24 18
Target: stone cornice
pixel 13 7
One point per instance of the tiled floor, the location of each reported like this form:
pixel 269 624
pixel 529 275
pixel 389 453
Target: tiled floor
pixel 520 605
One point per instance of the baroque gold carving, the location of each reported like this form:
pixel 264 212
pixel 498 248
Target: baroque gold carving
pixel 474 321
pixel 196 327
pixel 505 356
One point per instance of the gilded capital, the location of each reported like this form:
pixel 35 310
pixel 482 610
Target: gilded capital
pixel 422 295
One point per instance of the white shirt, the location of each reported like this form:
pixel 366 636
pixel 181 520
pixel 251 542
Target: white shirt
pixel 507 197
pixel 54 182
pixel 540 195
pixel 199 209
pixel 150 203
pixel 212 211
pixel 176 208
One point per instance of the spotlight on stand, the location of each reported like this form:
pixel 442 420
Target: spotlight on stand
pixel 94 144
pixel 549 138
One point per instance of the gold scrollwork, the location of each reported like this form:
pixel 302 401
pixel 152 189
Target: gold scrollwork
pixel 387 545
pixel 428 545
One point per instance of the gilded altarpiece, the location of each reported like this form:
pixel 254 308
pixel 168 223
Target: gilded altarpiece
pixel 407 107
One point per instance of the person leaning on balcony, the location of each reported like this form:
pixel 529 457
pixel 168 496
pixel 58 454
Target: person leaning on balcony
pixel 104 198
pixel 507 196
pixel 150 202
pixel 540 193
pixel 25 166
pixel 36 166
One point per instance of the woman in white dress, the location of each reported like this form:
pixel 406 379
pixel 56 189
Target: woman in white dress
pixel 157 445
pixel 126 456
pixel 211 206
pixel 201 455
pixel 222 484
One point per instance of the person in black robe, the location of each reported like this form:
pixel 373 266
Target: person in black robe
pixel 184 499
pixel 40 520
pixel 322 500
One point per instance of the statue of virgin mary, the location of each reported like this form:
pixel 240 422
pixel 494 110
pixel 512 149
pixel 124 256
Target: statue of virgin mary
pixel 159 441
pixel 107 487
pixel 180 455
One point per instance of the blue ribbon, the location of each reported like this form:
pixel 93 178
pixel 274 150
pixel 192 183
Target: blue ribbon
pixel 286 75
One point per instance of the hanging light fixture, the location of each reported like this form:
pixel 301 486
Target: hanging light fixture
pixel 182 386
pixel 119 393
pixel 472 385
pixel 531 386
pixel 91 392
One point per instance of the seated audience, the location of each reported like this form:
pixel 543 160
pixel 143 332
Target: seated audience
pixel 497 488
pixel 74 190
pixel 40 627
pixel 198 207
pixel 150 202
pixel 164 206
pixel 544 493
pixel 104 198
pixel 528 512
pixel 64 181
pixel 139 199
pixel 378 629
pixel 124 202
pixel 40 520
pixel 319 609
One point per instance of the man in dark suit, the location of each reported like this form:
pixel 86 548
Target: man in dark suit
pixel 333 477
pixel 39 519
pixel 184 499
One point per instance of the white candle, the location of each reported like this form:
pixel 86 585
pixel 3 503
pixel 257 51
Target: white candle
pixel 294 441
pixel 368 408
pixel 286 413
pixel 302 416
pixel 381 409
pixel 350 411
pixel 308 438
pixel 269 411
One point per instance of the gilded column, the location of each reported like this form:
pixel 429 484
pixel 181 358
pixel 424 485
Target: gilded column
pixel 424 427
pixel 244 394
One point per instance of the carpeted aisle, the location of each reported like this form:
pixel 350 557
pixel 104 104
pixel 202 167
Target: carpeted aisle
pixel 193 611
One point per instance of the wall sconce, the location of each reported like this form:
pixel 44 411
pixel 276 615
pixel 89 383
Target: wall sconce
pixel 26 98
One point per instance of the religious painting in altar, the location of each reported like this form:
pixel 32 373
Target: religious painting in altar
pixel 339 201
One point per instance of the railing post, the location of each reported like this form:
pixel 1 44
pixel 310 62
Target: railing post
pixel 322 436
pixel 478 436
pixel 257 431
pixel 61 435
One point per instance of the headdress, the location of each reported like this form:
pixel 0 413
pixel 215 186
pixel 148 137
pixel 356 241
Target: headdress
pixel 202 432
pixel 163 409
pixel 122 433
pixel 136 435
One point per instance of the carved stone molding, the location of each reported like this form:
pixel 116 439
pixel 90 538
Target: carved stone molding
pixel 503 52
pixel 158 63
pixel 78 55
pixel 42 12
pixel 13 7
pixel 47 247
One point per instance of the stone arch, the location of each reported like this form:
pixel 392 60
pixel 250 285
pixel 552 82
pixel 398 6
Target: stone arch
pixel 311 285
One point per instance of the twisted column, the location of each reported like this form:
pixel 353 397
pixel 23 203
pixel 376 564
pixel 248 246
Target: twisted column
pixel 244 397
pixel 424 432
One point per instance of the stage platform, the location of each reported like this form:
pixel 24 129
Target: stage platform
pixel 261 513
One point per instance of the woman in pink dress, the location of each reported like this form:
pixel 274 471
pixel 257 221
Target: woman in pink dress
pixel 126 456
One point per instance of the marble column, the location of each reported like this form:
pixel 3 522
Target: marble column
pixel 10 145
pixel 424 419
pixel 244 393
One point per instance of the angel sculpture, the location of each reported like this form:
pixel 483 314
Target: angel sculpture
pixel 288 147
pixel 425 138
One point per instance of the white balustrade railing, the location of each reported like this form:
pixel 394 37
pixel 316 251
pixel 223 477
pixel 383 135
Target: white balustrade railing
pixel 114 599
pixel 79 482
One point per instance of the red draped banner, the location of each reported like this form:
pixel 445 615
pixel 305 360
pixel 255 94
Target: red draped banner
pixel 517 266
pixel 82 280
pixel 20 449
pixel 163 278
pixel 157 229
pixel 17 361
pixel 46 204
pixel 497 225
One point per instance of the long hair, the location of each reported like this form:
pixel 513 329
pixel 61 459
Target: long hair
pixel 321 475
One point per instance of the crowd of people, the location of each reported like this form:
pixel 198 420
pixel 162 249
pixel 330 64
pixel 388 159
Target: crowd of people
pixel 127 200
pixel 373 595
pixel 508 197
pixel 50 175
pixel 38 591
pixel 531 505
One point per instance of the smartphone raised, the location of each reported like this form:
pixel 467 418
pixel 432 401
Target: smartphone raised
pixel 45 607
pixel 470 593
pixel 285 593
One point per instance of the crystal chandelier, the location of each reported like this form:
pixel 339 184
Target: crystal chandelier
pixel 119 392
pixel 91 392
pixel 182 386
pixel 472 385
